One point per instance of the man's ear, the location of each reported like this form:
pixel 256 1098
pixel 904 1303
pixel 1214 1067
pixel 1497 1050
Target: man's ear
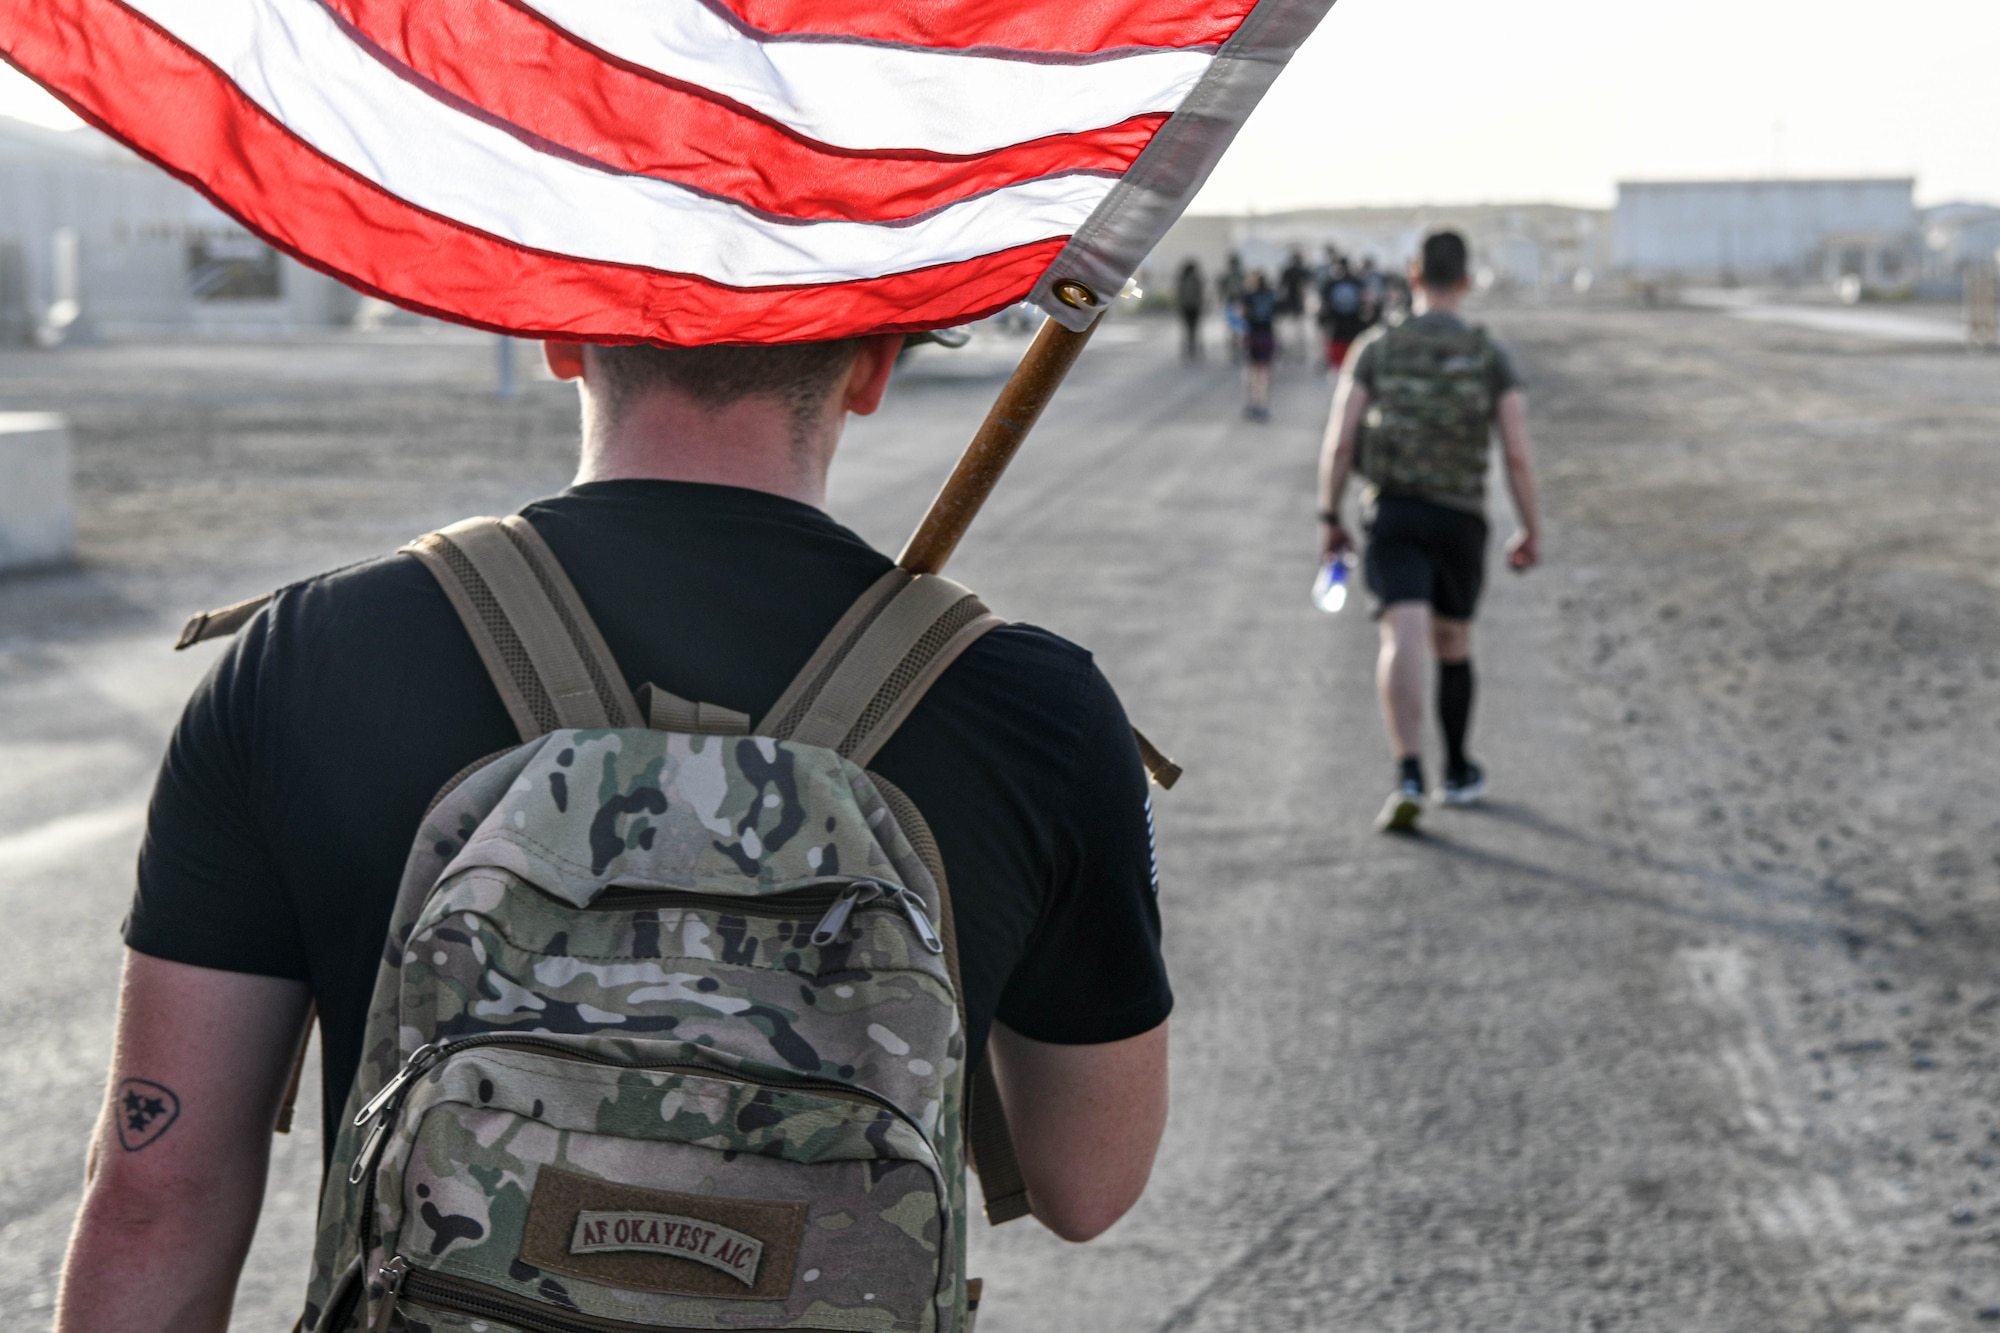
pixel 565 359
pixel 868 377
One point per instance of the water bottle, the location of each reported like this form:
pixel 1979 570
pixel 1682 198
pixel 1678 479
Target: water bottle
pixel 1330 588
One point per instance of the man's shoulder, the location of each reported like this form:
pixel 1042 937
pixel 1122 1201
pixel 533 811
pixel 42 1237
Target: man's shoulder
pixel 357 597
pixel 1025 667
pixel 1017 684
pixel 1016 666
pixel 1370 336
pixel 1021 704
pixel 1361 357
pixel 378 619
pixel 1436 330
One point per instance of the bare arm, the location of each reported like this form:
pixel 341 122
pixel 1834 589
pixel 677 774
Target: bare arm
pixel 1086 1122
pixel 1336 463
pixel 1525 548
pixel 176 1168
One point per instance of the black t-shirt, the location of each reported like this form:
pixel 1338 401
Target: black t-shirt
pixel 298 774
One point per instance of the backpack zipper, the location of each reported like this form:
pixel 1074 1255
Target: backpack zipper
pixel 384 1105
pixel 459 1296
pixel 837 898
pixel 793 903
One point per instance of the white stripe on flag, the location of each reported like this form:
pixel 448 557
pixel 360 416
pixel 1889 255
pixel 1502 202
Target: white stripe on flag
pixel 294 61
pixel 873 96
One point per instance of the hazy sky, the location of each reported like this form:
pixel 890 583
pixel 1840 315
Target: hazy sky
pixel 1405 101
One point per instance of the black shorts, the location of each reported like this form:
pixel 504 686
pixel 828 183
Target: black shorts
pixel 1422 551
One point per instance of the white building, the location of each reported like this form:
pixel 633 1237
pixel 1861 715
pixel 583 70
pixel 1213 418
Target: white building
pixel 1783 230
pixel 1958 237
pixel 95 242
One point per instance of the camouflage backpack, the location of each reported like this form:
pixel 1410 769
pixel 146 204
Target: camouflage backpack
pixel 667 1032
pixel 1428 428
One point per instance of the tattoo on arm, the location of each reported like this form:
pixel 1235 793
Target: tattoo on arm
pixel 145 1111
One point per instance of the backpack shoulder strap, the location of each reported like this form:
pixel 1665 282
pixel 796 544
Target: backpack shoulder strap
pixel 869 673
pixel 531 705
pixel 866 677
pixel 545 655
pixel 220 622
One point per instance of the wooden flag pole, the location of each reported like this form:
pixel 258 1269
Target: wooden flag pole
pixel 1014 414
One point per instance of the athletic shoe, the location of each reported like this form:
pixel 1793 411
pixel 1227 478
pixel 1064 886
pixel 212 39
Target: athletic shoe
pixel 1463 788
pixel 1404 806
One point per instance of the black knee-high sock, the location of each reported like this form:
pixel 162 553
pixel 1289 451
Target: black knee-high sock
pixel 1454 711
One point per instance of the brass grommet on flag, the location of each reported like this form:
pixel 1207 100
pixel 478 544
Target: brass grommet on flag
pixel 1076 295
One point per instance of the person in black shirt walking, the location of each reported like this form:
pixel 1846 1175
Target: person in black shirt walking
pixel 697 538
pixel 1342 313
pixel 1294 283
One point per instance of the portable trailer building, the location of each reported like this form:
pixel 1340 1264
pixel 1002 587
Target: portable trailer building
pixel 1783 230
pixel 96 242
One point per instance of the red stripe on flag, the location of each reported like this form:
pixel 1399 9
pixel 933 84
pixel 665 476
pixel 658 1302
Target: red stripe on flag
pixel 1072 26
pixel 513 65
pixel 117 70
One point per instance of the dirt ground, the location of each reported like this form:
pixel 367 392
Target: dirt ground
pixel 1781 623
pixel 1696 1026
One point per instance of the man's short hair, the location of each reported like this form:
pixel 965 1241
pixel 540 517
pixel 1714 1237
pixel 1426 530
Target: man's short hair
pixel 799 375
pixel 1443 265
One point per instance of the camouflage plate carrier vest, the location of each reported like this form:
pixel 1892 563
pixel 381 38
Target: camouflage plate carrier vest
pixel 667 1032
pixel 1428 428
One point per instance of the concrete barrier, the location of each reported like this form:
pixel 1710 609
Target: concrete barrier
pixel 36 523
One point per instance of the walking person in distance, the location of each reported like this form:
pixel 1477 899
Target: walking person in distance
pixel 1341 313
pixel 1229 286
pixel 1190 298
pixel 1294 282
pixel 1414 414
pixel 1259 307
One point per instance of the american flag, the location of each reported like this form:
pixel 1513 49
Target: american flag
pixel 682 171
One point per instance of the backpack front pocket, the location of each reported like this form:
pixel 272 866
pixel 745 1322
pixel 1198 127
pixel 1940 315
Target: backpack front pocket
pixel 608 1185
pixel 834 978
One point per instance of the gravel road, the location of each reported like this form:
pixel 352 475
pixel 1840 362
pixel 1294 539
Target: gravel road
pixel 1692 1027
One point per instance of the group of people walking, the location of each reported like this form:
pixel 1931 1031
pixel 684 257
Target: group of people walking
pixel 1346 299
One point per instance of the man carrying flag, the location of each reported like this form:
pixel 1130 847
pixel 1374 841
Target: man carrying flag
pixel 696 536
pixel 723 221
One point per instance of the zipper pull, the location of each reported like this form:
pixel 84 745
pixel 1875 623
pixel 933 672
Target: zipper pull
pixel 365 1159
pixel 383 1106
pixel 829 927
pixel 913 908
pixel 392 1275
pixel 420 1059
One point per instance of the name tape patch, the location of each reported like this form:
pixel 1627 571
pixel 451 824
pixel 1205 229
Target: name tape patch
pixel 720 1247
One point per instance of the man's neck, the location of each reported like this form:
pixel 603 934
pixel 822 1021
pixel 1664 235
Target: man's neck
pixel 1437 303
pixel 752 443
